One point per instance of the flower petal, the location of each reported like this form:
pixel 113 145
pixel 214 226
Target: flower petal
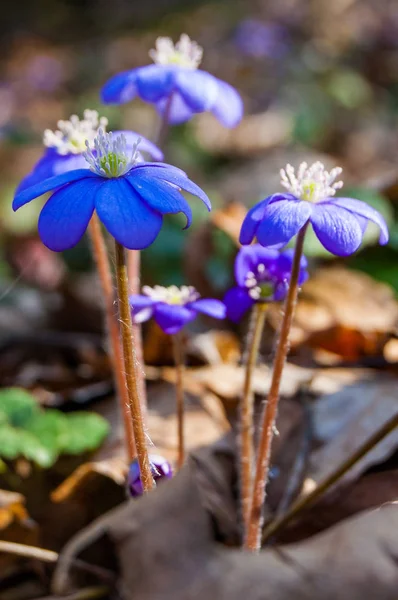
pixel 252 221
pixel 170 175
pixel 178 111
pixel 248 259
pixel 142 307
pixel 145 145
pixel 282 220
pixel 198 89
pixel 172 318
pixel 228 106
pixel 362 209
pixel 209 306
pixel 65 216
pixel 162 197
pixel 285 263
pixel 121 88
pixel 237 302
pixel 52 183
pixel 126 216
pixel 336 228
pixel 154 82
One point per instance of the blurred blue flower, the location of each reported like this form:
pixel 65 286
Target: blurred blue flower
pixel 160 467
pixel 339 223
pixel 130 198
pixel 175 84
pixel 259 40
pixel 67 145
pixel 45 72
pixel 262 275
pixel 173 307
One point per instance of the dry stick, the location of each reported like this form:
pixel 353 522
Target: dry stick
pixel 179 363
pixel 246 413
pixel 323 486
pixel 253 538
pixel 130 364
pixel 105 276
pixel 134 276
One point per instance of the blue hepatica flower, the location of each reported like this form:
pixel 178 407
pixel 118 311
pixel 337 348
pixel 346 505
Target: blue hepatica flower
pixel 130 198
pixel 339 223
pixel 66 146
pixel 173 307
pixel 161 470
pixel 175 84
pixel 262 275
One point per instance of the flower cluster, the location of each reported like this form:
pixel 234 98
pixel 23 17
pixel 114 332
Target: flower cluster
pixel 129 197
pixel 262 275
pixel 173 307
pixel 339 223
pixel 175 85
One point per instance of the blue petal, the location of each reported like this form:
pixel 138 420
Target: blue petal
pixel 282 220
pixel 126 216
pixel 237 302
pixel 252 221
pixel 178 111
pixel 198 89
pixel 209 306
pixel 142 307
pixel 145 145
pixel 228 106
pixel 357 207
pixel 52 183
pixel 121 88
pixel 155 82
pixel 172 318
pixel 65 216
pixel 170 175
pixel 50 164
pixel 285 263
pixel 336 228
pixel 161 196
pixel 248 259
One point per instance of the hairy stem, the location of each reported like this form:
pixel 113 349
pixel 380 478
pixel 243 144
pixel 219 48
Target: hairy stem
pixel 130 366
pixel 246 413
pixel 134 277
pixel 330 480
pixel 178 349
pixel 253 538
pixel 105 276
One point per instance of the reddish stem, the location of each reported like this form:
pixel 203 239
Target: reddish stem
pixel 105 276
pixel 179 364
pixel 253 538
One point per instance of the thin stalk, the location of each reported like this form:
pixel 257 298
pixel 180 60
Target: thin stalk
pixel 134 273
pixel 105 276
pixel 253 538
pixel 246 413
pixel 330 480
pixel 130 366
pixel 178 349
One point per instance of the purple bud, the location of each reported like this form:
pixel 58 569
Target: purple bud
pixel 160 467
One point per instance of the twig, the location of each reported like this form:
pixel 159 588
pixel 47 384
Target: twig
pixel 179 364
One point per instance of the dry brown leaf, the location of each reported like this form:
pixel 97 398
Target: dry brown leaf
pixel 86 474
pixel 229 219
pixel 15 525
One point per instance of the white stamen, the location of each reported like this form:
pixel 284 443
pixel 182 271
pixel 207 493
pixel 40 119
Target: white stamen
pixel 71 135
pixel 185 53
pixel 255 293
pixel 261 268
pixel 312 183
pixel 172 294
pixel 109 155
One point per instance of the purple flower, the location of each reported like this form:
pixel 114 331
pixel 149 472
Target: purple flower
pixel 130 198
pixel 259 40
pixel 262 275
pixel 173 307
pixel 67 145
pixel 174 83
pixel 339 223
pixel 160 467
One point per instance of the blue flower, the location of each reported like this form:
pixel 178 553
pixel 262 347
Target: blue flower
pixel 173 307
pixel 175 84
pixel 160 467
pixel 258 40
pixel 339 223
pixel 65 147
pixel 262 275
pixel 130 198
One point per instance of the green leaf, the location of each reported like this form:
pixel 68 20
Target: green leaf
pixel 17 406
pixel 85 431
